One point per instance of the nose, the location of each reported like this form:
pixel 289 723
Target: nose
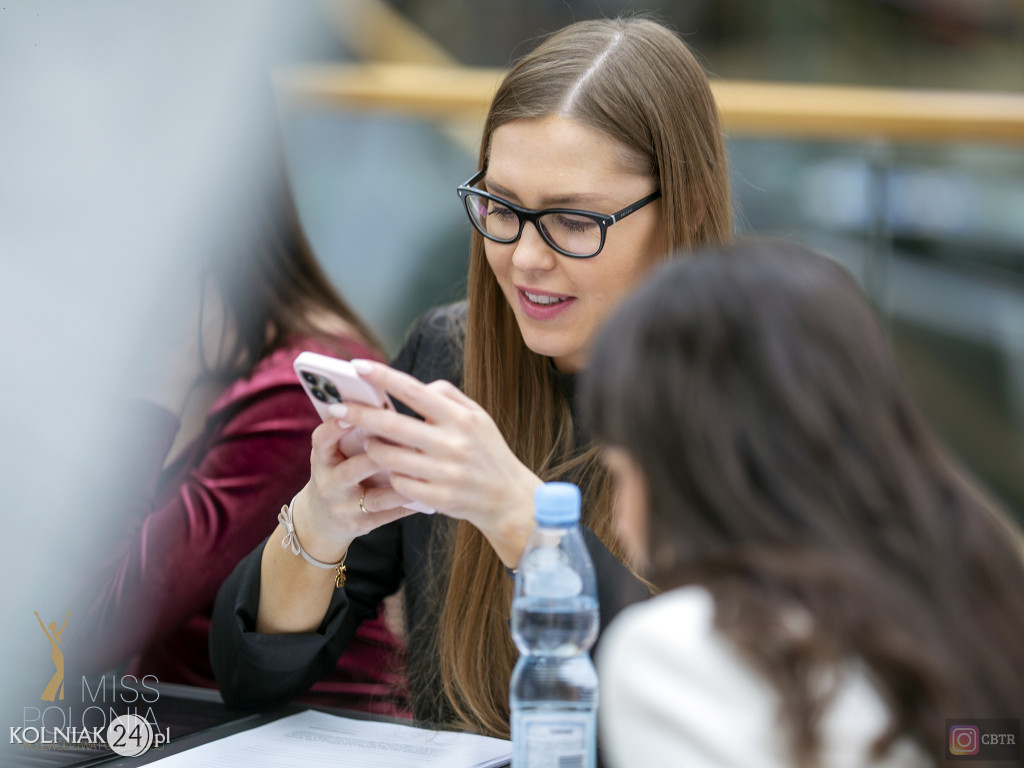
pixel 532 253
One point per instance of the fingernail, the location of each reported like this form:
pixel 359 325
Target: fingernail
pixel 362 366
pixel 338 410
pixel 343 424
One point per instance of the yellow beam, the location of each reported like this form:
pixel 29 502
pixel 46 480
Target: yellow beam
pixel 410 89
pixel 818 111
pixel 751 108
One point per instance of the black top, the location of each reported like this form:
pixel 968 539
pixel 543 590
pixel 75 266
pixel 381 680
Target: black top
pixel 258 671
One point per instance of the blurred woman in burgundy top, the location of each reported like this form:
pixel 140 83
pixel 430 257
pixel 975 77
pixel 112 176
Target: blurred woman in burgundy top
pixel 217 440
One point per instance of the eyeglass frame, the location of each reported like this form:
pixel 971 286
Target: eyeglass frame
pixel 603 220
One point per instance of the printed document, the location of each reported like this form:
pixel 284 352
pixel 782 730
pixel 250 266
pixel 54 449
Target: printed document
pixel 311 739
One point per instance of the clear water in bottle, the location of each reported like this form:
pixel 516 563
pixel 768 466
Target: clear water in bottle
pixel 560 628
pixel 553 691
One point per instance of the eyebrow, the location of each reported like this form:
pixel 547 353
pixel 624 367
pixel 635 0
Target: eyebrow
pixel 553 201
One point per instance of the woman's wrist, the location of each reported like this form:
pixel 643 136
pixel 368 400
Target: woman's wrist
pixel 294 595
pixel 316 540
pixel 515 523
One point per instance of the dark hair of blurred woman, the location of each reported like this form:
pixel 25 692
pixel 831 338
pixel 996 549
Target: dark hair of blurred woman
pixel 270 281
pixel 787 469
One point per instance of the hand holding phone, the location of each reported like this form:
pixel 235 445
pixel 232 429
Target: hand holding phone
pixel 328 380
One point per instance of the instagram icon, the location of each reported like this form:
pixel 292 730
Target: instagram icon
pixel 963 740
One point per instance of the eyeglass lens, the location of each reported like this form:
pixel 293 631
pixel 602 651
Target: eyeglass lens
pixel 578 235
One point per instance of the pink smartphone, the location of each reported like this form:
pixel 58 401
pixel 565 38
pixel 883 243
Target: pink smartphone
pixel 328 380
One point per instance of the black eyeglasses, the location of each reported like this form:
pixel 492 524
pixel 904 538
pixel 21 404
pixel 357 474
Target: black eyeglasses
pixel 573 233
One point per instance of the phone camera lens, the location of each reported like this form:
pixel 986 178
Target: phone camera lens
pixel 310 378
pixel 332 391
pixel 319 395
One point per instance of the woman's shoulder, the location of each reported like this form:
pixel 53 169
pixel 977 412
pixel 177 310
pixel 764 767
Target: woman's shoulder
pixel 674 688
pixel 672 630
pixel 433 346
pixel 673 637
pixel 667 655
pixel 685 615
pixel 440 324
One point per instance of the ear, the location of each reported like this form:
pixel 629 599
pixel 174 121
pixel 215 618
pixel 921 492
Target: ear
pixel 631 506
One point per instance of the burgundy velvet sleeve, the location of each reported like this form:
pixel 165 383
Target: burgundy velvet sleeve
pixel 178 543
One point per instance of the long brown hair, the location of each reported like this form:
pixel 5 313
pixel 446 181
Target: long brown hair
pixel 788 470
pixel 638 83
pixel 268 276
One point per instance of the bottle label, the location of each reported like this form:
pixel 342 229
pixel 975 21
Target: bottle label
pixel 550 740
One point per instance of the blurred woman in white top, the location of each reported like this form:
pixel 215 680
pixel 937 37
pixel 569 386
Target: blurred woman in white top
pixel 835 590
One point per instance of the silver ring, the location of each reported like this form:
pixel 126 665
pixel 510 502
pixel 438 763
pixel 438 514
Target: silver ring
pixel 362 496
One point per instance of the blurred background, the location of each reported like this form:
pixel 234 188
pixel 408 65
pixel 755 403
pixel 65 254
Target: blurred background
pixel 121 120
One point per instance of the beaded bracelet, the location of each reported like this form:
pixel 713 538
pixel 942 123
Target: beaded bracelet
pixel 291 539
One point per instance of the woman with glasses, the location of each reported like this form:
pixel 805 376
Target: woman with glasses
pixel 836 593
pixel 601 154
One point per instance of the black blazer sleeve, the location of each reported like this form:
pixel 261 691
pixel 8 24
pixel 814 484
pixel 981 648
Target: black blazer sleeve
pixel 258 671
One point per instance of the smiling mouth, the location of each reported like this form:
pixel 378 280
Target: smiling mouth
pixel 545 300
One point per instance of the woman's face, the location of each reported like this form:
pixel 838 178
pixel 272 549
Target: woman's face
pixel 630 512
pixel 554 162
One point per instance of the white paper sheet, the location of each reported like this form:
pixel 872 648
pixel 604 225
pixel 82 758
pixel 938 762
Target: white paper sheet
pixel 311 739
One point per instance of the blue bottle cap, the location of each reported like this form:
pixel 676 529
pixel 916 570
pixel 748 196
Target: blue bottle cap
pixel 557 504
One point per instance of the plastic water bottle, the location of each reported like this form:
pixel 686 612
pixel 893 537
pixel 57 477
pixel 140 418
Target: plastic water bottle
pixel 553 692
